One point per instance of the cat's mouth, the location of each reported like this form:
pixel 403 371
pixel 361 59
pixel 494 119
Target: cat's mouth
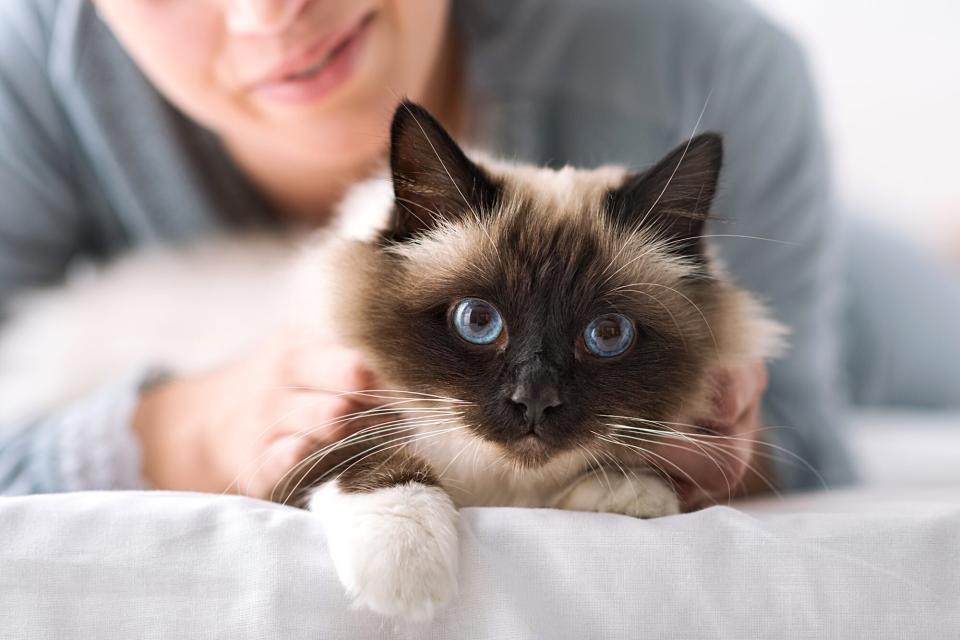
pixel 524 443
pixel 530 451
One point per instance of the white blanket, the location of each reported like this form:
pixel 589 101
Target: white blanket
pixel 138 565
pixel 878 562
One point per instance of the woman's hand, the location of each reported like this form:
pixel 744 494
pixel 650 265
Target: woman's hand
pixel 717 462
pixel 241 428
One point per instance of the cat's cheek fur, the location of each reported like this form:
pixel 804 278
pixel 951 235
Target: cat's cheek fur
pixel 607 491
pixel 395 549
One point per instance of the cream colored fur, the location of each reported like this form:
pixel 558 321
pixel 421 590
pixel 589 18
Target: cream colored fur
pixel 394 549
pixel 185 310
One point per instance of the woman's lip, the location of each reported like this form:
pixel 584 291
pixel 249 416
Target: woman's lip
pixel 313 54
pixel 335 68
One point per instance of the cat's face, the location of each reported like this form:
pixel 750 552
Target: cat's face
pixel 549 301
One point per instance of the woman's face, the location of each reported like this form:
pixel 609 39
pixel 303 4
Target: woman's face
pixel 315 78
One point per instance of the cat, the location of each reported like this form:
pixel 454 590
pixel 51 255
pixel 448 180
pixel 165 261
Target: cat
pixel 528 321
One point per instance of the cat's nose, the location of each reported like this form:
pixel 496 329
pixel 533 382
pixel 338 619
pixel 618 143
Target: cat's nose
pixel 536 399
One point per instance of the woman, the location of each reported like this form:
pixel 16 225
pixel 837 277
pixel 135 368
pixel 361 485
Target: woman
pixel 126 122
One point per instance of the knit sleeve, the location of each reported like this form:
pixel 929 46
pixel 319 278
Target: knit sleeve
pixel 89 445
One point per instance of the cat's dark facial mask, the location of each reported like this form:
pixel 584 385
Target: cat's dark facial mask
pixel 548 300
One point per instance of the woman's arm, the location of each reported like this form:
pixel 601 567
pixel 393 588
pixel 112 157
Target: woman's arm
pixel 41 224
pixel 777 190
pixel 41 230
pixel 86 446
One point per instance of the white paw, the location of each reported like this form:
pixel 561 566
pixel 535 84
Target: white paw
pixel 641 495
pixel 394 549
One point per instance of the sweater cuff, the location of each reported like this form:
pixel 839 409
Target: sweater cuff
pixel 95 445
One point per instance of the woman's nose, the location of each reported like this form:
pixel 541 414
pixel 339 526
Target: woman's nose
pixel 261 17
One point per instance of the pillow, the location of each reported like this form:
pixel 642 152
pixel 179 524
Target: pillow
pixel 166 565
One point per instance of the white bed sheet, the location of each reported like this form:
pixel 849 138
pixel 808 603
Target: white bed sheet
pixel 134 565
pixel 898 449
pixel 877 562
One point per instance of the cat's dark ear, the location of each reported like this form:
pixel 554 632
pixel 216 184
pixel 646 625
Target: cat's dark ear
pixel 433 179
pixel 673 198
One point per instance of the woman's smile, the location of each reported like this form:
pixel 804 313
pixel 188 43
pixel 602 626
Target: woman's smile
pixel 312 74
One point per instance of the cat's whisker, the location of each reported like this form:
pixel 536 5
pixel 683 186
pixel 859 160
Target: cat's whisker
pixel 386 446
pixel 456 186
pixel 724 450
pixel 373 435
pixel 403 440
pixel 643 219
pixel 346 418
pixel 700 450
pixel 476 453
pixel 379 429
pixel 329 423
pixel 698 428
pixel 588 466
pixel 560 474
pixel 706 439
pixel 735 235
pixel 454 459
pixel 711 440
pixel 646 452
pixel 376 393
pixel 415 443
pixel 665 430
pixel 597 466
pixel 436 153
pixel 627 473
pixel 735 452
pixel 374 432
pixel 411 414
pixel 434 214
pixel 683 156
pixel 655 468
pixel 710 443
pixel 649 251
pixel 697 431
pixel 497 461
pixel 461 485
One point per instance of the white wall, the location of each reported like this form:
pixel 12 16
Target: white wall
pixel 889 78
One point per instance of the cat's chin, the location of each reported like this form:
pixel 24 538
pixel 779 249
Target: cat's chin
pixel 530 452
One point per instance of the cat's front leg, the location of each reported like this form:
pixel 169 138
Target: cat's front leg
pixel 639 494
pixel 392 532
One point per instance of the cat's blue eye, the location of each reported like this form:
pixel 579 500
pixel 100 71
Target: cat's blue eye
pixel 477 321
pixel 609 335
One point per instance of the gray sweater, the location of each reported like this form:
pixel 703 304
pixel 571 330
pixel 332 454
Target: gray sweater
pixel 94 162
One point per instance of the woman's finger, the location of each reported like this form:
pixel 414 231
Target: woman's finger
pixel 320 417
pixel 328 370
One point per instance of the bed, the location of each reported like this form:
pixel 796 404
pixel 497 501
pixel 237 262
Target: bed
pixel 878 561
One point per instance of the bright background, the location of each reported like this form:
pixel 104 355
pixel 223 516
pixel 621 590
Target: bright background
pixel 888 72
